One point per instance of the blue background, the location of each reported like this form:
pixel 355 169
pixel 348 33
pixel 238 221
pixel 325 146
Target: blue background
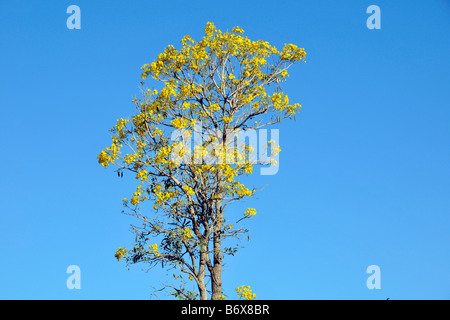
pixel 364 171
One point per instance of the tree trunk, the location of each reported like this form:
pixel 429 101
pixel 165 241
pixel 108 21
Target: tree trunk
pixel 216 274
pixel 202 289
pixel 202 272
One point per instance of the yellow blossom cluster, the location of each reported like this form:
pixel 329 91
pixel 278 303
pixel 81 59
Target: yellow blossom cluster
pixel 245 292
pixel 186 234
pixel 121 252
pixel 189 191
pixel 250 212
pixel 143 175
pixel 180 123
pixel 163 155
pixel 163 195
pixel 137 196
pixel 247 168
pixel 274 149
pixel 280 101
pixel 292 52
pixel 110 154
pixel 154 249
pixel 240 190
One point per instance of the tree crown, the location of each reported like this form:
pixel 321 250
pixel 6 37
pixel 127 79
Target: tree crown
pixel 216 88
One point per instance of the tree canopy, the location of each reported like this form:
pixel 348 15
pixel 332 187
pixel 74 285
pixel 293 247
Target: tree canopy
pixel 213 92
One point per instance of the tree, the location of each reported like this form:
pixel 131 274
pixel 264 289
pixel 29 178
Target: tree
pixel 218 90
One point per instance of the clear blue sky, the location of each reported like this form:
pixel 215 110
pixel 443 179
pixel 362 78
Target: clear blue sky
pixel 364 172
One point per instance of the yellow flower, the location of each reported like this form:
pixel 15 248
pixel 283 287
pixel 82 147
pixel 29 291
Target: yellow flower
pixel 154 249
pixel 250 212
pixel 179 123
pixel 121 252
pixel 186 233
pixel 245 292
pixel 237 30
pixel 104 159
pixel 188 190
pixel 142 174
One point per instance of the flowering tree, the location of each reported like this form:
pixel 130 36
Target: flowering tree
pixel 215 89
